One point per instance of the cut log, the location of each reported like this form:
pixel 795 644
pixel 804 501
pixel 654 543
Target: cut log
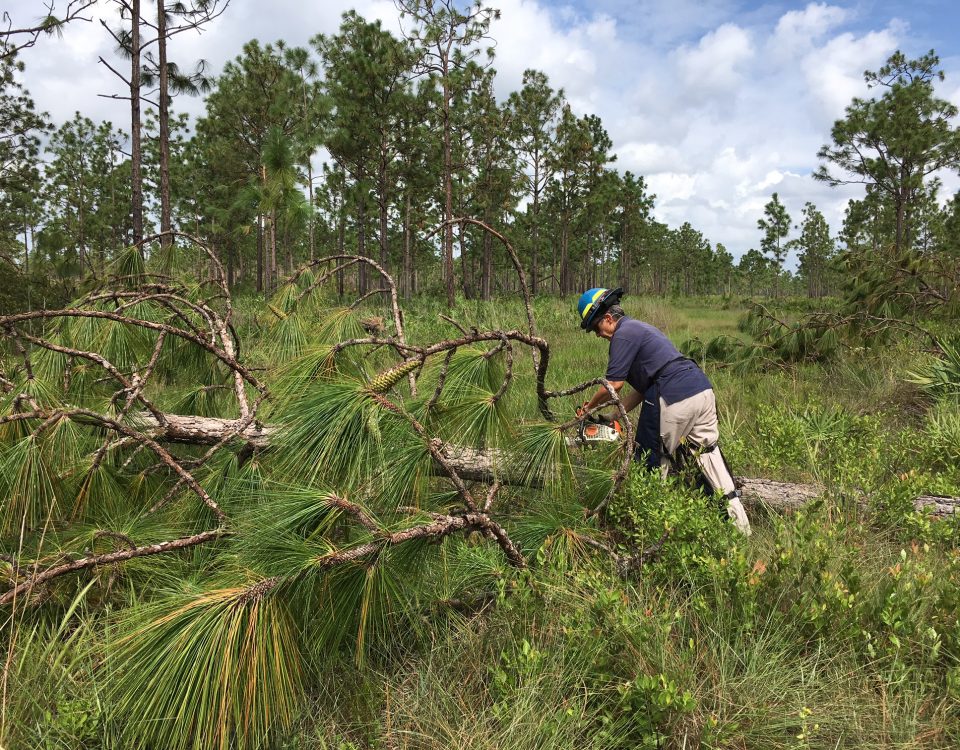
pixel 484 466
pixel 785 496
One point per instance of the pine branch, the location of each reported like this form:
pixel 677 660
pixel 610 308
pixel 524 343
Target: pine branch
pixel 38 578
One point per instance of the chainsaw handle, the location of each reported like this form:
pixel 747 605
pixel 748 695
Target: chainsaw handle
pixel 594 418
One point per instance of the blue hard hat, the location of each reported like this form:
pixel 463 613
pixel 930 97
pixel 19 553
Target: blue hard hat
pixel 593 303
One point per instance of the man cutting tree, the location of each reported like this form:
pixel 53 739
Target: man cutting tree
pixel 644 357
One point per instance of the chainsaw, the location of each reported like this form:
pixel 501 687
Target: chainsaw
pixel 598 429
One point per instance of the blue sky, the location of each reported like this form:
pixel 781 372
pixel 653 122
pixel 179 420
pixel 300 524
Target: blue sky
pixel 933 23
pixel 716 103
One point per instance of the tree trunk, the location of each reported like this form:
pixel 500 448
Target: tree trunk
pixel 447 190
pixel 466 280
pixel 384 208
pixel 362 243
pixel 259 253
pixel 486 269
pixel 230 269
pixel 164 121
pixel 311 230
pixel 274 274
pixel 136 148
pixel 535 248
pixel 341 241
pixel 407 247
pixel 565 280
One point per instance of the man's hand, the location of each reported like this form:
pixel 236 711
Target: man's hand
pixel 582 410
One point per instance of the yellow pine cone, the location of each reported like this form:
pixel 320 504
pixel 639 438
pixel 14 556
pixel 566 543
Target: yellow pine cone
pixel 389 378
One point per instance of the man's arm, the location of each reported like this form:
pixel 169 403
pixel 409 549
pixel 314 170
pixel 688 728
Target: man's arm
pixel 632 400
pixel 602 396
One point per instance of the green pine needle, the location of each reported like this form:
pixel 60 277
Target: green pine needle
pixel 217 669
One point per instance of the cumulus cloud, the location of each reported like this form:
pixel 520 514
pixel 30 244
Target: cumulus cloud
pixel 834 71
pixel 798 30
pixel 714 65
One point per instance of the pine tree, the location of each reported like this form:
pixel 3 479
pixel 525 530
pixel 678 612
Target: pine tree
pixel 129 44
pixel 578 162
pixel 21 130
pixel 418 172
pixel 313 115
pixel 816 249
pixel 756 271
pixel 894 142
pixel 366 79
pixel 257 94
pixel 776 228
pixel 365 69
pixel 635 205
pixel 489 186
pixel 446 39
pixel 534 114
pixel 87 198
pixel 171 80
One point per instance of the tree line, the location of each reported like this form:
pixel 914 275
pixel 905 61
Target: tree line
pixel 412 139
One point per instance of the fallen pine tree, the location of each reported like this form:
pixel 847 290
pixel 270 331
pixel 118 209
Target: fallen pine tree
pixel 486 466
pixel 105 362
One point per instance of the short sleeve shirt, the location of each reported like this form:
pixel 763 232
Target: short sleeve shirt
pixel 643 356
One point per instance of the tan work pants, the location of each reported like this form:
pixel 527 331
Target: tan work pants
pixel 695 418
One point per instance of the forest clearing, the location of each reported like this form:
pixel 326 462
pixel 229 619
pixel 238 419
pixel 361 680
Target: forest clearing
pixel 294 398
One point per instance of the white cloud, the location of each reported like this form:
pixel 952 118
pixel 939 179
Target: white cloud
pixel 834 71
pixel 797 30
pixel 673 187
pixel 715 63
pixel 647 158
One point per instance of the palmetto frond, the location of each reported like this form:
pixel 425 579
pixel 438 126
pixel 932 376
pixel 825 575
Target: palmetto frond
pixel 941 376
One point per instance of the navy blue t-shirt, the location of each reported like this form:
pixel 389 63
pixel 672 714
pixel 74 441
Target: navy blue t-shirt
pixel 641 354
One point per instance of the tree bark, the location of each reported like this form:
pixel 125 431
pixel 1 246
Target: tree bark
pixel 274 275
pixel 407 255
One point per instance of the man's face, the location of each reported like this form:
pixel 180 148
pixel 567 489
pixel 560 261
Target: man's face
pixel 605 327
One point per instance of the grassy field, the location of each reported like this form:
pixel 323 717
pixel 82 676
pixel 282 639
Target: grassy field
pixel 834 627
